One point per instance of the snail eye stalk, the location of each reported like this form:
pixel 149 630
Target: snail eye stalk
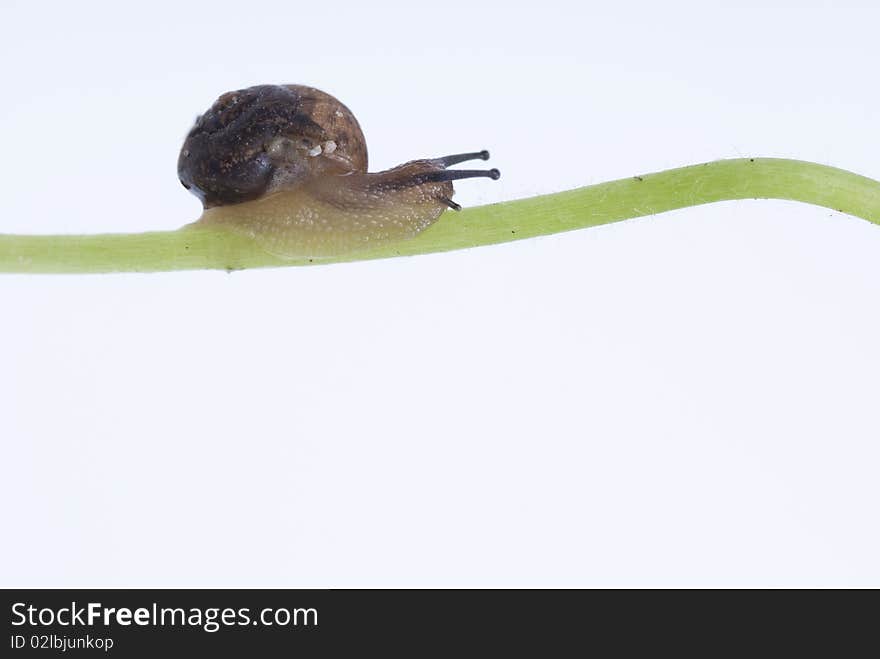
pixel 446 161
pixel 458 174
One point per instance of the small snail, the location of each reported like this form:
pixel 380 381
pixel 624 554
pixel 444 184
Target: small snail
pixel 287 166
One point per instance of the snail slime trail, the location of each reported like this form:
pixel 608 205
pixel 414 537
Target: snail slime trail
pixel 287 166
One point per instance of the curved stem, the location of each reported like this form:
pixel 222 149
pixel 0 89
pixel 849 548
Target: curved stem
pixel 201 248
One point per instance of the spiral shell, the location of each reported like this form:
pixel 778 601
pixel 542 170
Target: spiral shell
pixel 255 141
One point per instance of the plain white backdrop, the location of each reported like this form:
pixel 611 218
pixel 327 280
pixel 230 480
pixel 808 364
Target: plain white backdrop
pixel 688 399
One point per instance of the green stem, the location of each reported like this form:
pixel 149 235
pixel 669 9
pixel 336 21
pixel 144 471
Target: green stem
pixel 199 248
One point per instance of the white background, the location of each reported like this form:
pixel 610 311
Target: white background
pixel 689 399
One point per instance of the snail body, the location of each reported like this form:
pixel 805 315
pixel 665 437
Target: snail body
pixel 287 166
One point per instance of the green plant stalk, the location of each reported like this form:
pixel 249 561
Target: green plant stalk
pixel 192 248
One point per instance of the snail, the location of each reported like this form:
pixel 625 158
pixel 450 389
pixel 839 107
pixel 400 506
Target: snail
pixel 287 166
